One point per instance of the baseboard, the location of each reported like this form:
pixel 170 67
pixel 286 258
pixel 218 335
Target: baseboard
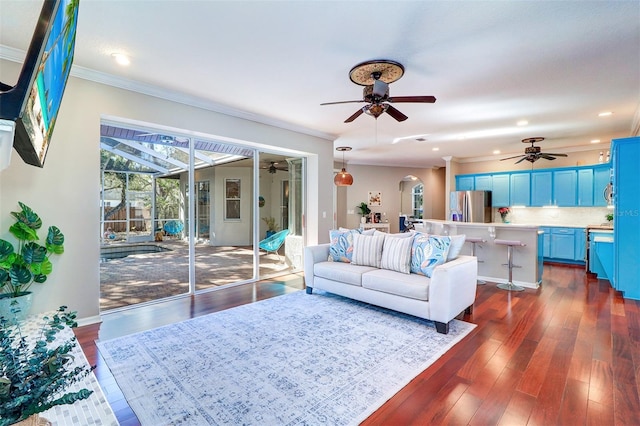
pixel 89 320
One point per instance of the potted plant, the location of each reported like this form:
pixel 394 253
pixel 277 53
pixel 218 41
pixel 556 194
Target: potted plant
pixel 609 217
pixel 28 263
pixel 364 211
pixel 504 212
pixel 272 226
pixel 34 373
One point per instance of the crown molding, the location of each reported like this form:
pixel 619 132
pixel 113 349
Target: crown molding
pixel 17 55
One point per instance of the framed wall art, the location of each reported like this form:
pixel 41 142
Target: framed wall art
pixel 375 198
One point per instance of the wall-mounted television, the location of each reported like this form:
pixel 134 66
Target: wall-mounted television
pixel 33 102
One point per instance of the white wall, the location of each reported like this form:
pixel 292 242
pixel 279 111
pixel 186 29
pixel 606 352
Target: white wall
pixel 66 191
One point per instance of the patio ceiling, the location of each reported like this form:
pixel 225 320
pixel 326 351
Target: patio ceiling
pixel 162 154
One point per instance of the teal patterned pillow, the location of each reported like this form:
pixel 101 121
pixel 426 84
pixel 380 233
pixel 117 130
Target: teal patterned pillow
pixel 341 245
pixel 427 252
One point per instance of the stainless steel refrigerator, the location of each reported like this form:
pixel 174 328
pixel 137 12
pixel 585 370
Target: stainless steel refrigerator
pixel 470 206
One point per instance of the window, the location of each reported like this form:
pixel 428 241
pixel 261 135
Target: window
pixel 416 201
pixel 232 199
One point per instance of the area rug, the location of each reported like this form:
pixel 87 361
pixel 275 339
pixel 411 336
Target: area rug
pixel 293 359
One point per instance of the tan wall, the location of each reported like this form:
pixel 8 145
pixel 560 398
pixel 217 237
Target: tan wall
pixel 580 158
pixel 387 180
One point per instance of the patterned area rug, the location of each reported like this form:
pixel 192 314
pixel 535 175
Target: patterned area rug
pixel 292 359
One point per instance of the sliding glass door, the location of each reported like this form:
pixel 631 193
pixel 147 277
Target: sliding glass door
pixel 181 215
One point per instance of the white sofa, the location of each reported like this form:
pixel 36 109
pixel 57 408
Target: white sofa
pixel 450 290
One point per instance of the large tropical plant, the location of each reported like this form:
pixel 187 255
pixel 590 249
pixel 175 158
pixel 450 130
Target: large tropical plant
pixel 29 262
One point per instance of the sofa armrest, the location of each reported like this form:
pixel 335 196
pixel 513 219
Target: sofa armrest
pixel 313 255
pixel 453 288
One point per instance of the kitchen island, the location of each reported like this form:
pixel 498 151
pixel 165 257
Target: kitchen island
pixel 492 258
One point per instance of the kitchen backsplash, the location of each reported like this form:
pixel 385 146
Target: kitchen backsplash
pixel 568 216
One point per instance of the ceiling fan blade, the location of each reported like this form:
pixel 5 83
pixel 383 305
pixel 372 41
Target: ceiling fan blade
pixel 395 113
pixel 515 156
pixel 355 115
pixel 555 155
pixel 547 157
pixel 341 102
pixel 422 99
pixel 526 157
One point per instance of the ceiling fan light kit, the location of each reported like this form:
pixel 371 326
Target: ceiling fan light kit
pixel 376 76
pixel 343 178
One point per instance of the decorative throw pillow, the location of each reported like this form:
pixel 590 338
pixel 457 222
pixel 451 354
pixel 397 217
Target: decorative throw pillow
pixel 367 250
pixel 341 245
pixel 427 252
pixel 457 241
pixel 396 254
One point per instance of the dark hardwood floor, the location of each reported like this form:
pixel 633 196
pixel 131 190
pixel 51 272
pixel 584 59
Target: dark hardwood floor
pixel 566 354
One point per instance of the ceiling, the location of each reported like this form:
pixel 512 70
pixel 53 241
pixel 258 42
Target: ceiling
pixel 555 64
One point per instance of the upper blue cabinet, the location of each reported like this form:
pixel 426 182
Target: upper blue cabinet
pixel 541 188
pixel 584 186
pixel 565 188
pixel 520 189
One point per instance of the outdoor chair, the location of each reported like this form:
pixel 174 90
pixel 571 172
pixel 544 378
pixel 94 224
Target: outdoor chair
pixel 173 227
pixel 274 242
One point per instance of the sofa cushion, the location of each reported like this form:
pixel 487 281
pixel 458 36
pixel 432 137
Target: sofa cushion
pixel 396 254
pixel 367 250
pixel 457 241
pixel 427 252
pixel 341 244
pixel 413 286
pixel 342 272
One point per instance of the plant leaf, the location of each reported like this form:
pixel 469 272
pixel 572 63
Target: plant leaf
pixel 28 217
pixel 55 240
pixel 19 275
pixel 23 232
pixel 6 248
pixel 34 253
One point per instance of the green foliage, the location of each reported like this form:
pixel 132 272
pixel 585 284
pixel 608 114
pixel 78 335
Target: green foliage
pixel 609 216
pixel 364 208
pixel 34 377
pixel 29 263
pixel 271 224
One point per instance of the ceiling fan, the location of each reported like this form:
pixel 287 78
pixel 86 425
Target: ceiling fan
pixel 533 153
pixel 273 167
pixel 376 76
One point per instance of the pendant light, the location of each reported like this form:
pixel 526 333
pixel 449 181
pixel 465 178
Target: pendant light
pixel 343 178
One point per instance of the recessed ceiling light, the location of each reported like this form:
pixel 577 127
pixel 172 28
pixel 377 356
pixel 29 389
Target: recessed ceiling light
pixel 121 58
pixel 605 114
pixel 435 149
pixel 497 151
pixel 522 123
pixel 595 141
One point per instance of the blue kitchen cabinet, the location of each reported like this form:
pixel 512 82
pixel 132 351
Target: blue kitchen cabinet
pixel 500 191
pixel 541 190
pixel 565 188
pixel 563 244
pixel 626 222
pixel 585 187
pixel 520 189
pixel 546 242
pixel 580 249
pixel 601 180
pixel 465 183
pixel 483 183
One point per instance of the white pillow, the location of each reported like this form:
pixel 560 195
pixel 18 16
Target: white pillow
pixel 367 250
pixel 396 254
pixel 399 234
pixel 457 241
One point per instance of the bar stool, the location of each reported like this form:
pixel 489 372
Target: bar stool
pixel 474 241
pixel 510 245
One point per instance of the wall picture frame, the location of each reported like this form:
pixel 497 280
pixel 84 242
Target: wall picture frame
pixel 375 198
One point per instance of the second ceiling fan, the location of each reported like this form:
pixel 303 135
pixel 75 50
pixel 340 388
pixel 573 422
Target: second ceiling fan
pixel 534 153
pixel 376 76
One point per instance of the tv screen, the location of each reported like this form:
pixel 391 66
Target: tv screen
pixel 35 100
